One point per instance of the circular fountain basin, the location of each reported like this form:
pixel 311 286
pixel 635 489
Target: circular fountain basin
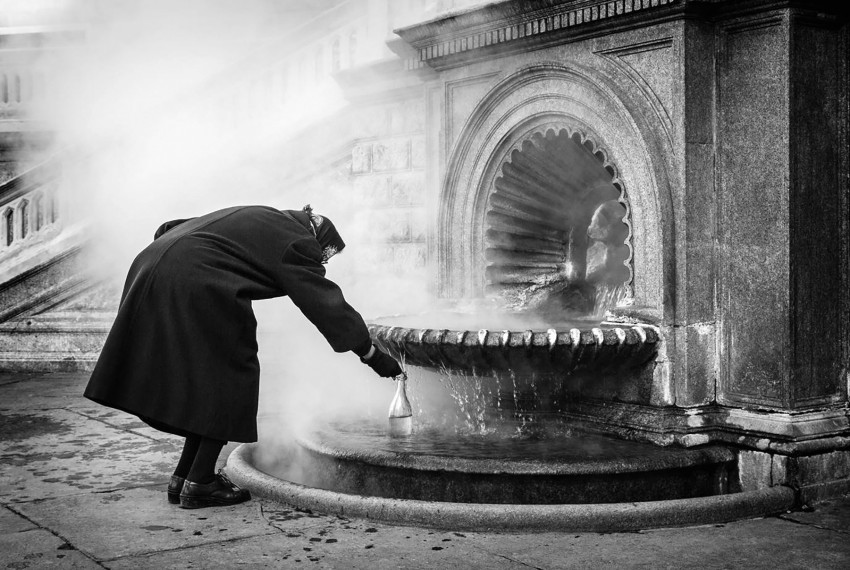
pixel 434 465
pixel 243 468
pixel 515 342
pixel 582 483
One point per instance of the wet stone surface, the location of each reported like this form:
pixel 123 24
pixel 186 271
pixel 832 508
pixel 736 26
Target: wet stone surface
pixel 826 514
pixel 11 522
pixel 111 530
pixel 68 453
pixel 83 487
pixel 15 427
pixel 40 549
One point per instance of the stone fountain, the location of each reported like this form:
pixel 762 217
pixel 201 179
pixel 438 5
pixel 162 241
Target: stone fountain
pixel 615 176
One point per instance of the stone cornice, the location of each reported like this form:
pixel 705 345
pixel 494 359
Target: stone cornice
pixel 498 25
pixel 40 37
pixel 500 28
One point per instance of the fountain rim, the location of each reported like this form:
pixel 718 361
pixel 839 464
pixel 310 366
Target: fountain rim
pixel 601 517
pixel 614 333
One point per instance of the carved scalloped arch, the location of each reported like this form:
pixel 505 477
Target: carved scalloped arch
pixel 580 100
pixel 527 219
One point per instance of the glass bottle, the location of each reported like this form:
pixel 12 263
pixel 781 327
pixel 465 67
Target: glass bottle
pixel 401 412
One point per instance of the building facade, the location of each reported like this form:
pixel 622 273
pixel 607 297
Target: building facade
pixel 713 133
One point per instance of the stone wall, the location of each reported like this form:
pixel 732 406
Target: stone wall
pixel 727 123
pixel 387 170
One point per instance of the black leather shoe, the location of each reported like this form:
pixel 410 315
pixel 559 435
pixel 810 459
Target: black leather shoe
pixel 221 492
pixel 174 488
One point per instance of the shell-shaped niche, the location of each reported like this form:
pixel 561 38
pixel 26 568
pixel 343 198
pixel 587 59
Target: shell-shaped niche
pixel 557 232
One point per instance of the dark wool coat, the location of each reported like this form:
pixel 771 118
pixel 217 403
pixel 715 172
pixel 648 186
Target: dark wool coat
pixel 182 353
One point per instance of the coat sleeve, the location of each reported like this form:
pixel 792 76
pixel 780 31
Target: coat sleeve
pixel 302 276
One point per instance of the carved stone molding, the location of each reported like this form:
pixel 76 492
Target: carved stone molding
pixel 776 432
pixel 548 179
pixel 461 96
pixel 534 100
pixel 649 64
pixel 502 25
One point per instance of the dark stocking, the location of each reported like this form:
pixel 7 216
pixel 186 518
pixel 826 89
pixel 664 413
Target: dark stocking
pixel 190 449
pixel 203 467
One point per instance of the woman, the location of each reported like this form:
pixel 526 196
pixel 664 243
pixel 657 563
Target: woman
pixel 182 353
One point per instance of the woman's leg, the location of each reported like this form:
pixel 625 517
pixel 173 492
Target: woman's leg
pixel 184 464
pixel 205 488
pixel 190 450
pixel 203 466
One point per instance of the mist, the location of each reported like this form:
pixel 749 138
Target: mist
pixel 152 124
pixel 137 105
pixel 157 117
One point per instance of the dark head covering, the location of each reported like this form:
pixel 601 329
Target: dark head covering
pixel 323 229
pixel 326 234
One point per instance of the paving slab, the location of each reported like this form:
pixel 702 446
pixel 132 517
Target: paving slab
pixel 295 522
pixel 44 392
pixel 124 422
pixel 141 521
pixel 11 521
pixel 13 377
pixel 761 543
pixel 831 514
pixel 65 453
pixel 40 549
pixel 328 547
pixel 89 484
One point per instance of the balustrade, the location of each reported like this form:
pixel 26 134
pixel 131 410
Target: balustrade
pixel 18 88
pixel 28 215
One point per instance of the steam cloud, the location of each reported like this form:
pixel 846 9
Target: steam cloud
pixel 144 138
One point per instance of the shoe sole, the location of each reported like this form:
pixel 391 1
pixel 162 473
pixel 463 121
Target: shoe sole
pixel 201 502
pixel 174 498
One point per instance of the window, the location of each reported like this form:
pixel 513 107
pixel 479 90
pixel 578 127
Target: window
pixel 38 206
pixel 284 83
pixel 16 89
pixel 319 63
pixel 9 218
pixel 4 89
pixel 25 218
pixel 52 209
pixel 335 58
pixel 352 48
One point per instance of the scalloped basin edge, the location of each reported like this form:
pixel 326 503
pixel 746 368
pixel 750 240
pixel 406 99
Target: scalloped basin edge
pixel 563 350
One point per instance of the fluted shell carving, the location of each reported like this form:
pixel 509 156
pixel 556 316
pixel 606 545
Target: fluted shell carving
pixel 557 211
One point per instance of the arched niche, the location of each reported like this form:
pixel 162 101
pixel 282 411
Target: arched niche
pixel 557 230
pixel 558 100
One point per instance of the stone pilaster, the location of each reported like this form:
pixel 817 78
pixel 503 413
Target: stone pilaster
pixel 780 210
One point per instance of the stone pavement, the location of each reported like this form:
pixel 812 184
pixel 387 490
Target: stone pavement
pixel 83 486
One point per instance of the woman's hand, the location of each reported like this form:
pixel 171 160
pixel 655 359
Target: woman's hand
pixel 382 363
